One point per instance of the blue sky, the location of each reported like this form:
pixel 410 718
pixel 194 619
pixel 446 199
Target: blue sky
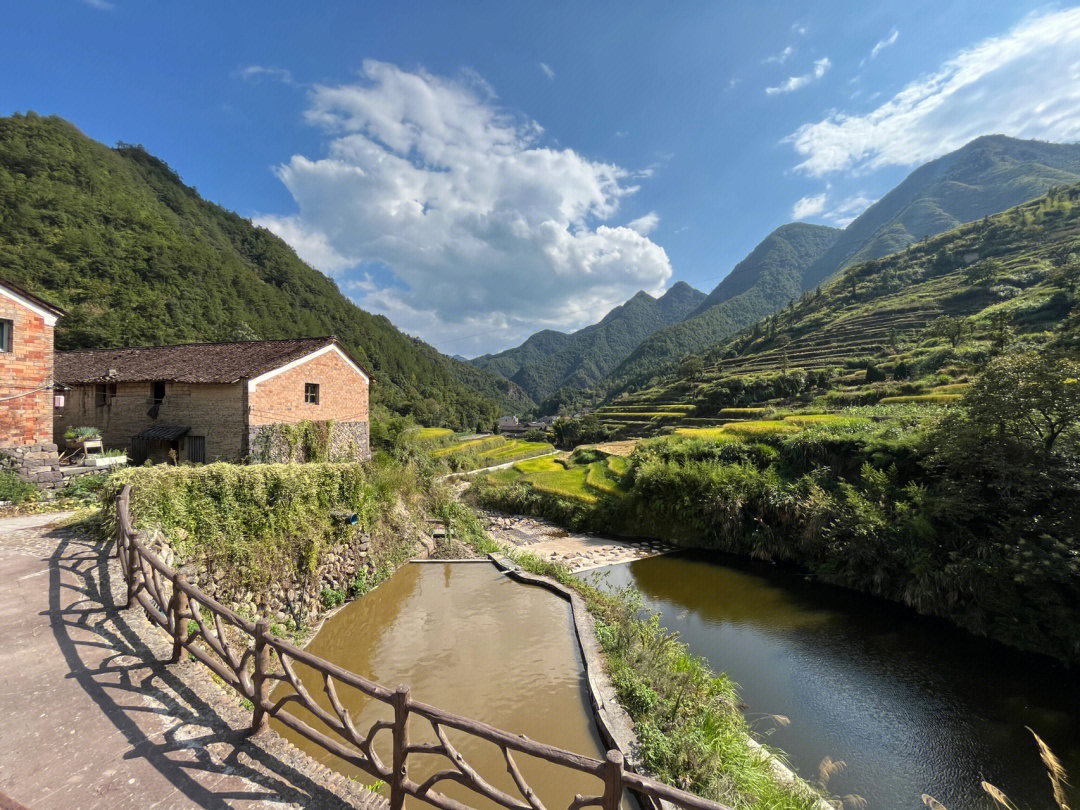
pixel 477 171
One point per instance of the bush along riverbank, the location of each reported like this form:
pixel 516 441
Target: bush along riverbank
pixel 280 540
pixel 968 512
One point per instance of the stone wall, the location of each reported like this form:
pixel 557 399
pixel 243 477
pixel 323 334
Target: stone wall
pixel 40 464
pixel 26 402
pixel 348 441
pixel 296 598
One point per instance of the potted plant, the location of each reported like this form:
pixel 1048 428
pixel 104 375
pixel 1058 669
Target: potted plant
pixel 77 437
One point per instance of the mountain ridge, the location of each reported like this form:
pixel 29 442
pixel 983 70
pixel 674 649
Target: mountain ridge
pixel 550 360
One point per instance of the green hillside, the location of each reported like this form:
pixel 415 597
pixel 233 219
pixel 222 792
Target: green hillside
pixel 548 360
pixel 984 177
pixel 136 257
pixel 757 286
pixel 916 324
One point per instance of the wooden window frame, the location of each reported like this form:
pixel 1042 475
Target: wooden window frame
pixel 104 394
pixel 7 335
pixel 311 393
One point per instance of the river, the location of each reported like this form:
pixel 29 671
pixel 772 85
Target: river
pixel 912 704
pixel 470 640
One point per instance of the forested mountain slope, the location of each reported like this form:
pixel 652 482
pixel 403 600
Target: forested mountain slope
pixel 549 360
pixel 986 176
pixel 941 307
pixel 136 258
pixel 769 277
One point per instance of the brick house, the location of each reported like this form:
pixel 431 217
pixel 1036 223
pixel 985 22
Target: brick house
pixel 263 400
pixel 26 367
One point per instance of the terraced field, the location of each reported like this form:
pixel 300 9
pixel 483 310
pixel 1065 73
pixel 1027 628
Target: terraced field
pixel 581 481
pixel 488 451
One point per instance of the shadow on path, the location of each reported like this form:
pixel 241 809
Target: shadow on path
pixel 180 732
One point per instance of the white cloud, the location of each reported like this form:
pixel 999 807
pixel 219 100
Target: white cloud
pixel 646 224
pixel 781 57
pixel 882 44
pixel 808 206
pixel 484 229
pixel 847 209
pixel 1025 84
pixel 258 73
pixel 799 29
pixel 100 5
pixel 821 67
pixel 547 70
pixel 838 214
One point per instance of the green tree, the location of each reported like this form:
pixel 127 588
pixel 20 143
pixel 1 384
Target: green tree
pixel 1001 331
pixel 1027 395
pixel 691 367
pixel 953 329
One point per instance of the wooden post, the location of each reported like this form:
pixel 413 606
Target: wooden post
pixel 260 685
pixel 401 743
pixel 132 572
pixel 613 786
pixel 181 610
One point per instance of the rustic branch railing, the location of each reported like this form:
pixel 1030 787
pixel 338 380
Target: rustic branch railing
pixel 243 660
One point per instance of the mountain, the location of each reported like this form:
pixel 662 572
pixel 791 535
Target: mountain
pixel 1013 276
pixel 136 257
pixel 987 175
pixel 551 360
pixel 769 277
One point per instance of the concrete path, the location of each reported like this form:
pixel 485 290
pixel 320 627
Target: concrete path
pixel 91 717
pixel 579 552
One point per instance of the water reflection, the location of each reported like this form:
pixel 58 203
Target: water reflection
pixel 910 703
pixel 469 640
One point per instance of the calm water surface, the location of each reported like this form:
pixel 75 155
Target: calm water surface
pixel 911 704
pixel 469 640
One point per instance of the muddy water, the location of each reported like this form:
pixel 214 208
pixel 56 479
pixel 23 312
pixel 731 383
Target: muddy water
pixel 911 704
pixel 469 640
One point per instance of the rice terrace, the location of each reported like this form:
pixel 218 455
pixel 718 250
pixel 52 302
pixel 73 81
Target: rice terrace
pixel 533 407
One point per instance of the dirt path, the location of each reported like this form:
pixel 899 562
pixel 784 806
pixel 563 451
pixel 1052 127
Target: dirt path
pixel 92 717
pixel 579 552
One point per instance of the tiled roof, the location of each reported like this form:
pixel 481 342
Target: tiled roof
pixel 186 362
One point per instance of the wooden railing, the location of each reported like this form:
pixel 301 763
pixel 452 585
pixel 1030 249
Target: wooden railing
pixel 240 652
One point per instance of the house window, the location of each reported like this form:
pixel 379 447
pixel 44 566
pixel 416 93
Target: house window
pixel 196 449
pixel 104 394
pixel 157 396
pixel 7 328
pixel 311 393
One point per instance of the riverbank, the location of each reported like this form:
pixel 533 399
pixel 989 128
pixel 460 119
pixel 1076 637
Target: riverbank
pixel 896 508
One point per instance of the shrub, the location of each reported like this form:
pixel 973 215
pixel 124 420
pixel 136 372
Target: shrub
pixel 15 489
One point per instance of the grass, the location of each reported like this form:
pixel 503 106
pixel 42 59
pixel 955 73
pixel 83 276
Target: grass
pixel 570 483
pixel 481 444
pixel 603 479
pixel 426 435
pixel 536 465
pixel 709 433
pixel 763 427
pixel 824 419
pixel 743 413
pixel 929 399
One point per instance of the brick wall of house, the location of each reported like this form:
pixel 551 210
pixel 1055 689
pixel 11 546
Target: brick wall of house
pixel 26 419
pixel 343 398
pixel 216 412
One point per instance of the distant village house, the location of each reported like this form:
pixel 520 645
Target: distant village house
pixel 203 402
